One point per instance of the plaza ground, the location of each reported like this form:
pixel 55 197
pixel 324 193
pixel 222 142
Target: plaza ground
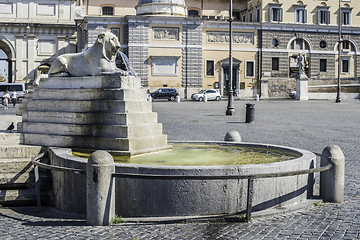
pixel 310 125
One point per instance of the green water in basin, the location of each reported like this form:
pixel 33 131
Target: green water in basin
pixel 205 155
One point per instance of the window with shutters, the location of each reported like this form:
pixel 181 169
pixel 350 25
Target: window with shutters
pixel 346 16
pixel 300 15
pixel 275 13
pixel 250 16
pixel 258 14
pixel 323 16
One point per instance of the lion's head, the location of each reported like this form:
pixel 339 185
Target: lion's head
pixel 110 44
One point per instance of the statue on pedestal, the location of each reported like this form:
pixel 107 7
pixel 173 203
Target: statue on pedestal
pixel 301 66
pixel 301 80
pixel 101 58
pixel 96 60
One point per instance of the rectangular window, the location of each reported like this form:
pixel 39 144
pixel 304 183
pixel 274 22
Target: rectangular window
pixel 275 14
pixel 300 15
pixel 346 17
pixel 250 69
pixel 275 64
pixel 324 16
pixel 322 65
pixel 346 45
pixel 243 17
pixel 236 15
pixel 345 68
pixel 258 14
pixel 107 10
pixel 250 16
pixel 210 68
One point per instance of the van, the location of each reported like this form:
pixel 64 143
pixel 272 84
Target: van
pixel 19 88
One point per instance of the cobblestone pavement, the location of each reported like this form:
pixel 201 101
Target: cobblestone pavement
pixel 310 125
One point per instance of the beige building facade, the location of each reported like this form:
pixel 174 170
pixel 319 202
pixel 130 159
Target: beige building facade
pixel 185 44
pixel 172 49
pixel 268 35
pixel 33 33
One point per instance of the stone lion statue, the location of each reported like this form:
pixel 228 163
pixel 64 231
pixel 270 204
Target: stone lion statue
pixel 96 60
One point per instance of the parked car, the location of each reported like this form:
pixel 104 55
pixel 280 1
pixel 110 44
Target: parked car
pixel 165 93
pixel 18 87
pixel 211 94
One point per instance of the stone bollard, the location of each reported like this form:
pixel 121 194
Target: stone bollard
pixel 177 98
pixel 332 181
pixel 250 113
pixel 233 136
pixel 256 98
pixel 100 191
pixel 205 98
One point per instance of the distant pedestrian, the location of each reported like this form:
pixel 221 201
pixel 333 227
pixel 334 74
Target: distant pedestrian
pixel 6 99
pixel 236 92
pixel 148 95
pixel 14 97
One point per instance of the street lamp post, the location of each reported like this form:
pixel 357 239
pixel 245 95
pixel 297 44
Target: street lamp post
pixel 338 99
pixel 230 107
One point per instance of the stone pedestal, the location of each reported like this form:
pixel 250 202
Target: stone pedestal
pixel 264 88
pixel 302 88
pixel 108 112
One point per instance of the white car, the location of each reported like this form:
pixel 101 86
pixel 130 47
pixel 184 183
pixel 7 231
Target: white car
pixel 211 94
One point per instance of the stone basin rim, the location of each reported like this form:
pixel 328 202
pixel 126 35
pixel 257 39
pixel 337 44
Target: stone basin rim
pixel 303 155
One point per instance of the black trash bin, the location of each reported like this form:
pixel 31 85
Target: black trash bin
pixel 250 113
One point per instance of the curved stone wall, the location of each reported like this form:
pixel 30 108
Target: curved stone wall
pixel 167 198
pixel 161 7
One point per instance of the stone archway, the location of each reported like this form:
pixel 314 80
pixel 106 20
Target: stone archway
pixel 6 62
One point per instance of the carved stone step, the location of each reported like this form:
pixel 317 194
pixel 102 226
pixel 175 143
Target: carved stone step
pixel 19 151
pixel 108 131
pixel 89 94
pixel 90 106
pixel 15 165
pixel 17 196
pixel 9 138
pixel 135 145
pixel 92 118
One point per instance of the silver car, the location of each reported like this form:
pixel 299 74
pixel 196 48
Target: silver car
pixel 211 94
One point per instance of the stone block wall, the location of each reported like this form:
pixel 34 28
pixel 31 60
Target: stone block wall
pixel 283 71
pixel 281 87
pixel 315 66
pixel 138 39
pixel 94 31
pixel 192 55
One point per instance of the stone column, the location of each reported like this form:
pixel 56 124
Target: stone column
pixel 332 181
pixel 100 190
pixel 19 48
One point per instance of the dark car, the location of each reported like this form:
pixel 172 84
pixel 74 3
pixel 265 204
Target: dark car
pixel 165 93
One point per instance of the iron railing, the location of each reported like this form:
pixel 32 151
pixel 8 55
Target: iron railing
pixel 249 177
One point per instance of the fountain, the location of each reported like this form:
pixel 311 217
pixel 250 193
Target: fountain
pixel 109 111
